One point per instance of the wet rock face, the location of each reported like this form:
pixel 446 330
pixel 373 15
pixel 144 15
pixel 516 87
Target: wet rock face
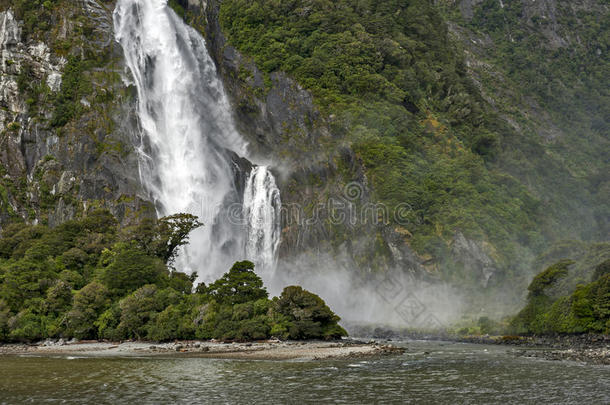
pixel 281 120
pixel 15 56
pixel 53 174
pixel 474 257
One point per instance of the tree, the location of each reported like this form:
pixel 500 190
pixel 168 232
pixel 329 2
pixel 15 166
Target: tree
pixel 163 237
pixel 139 310
pixel 59 298
pixel 26 279
pixel 131 268
pixel 89 303
pixel 308 315
pixel 181 282
pixel 547 279
pixel 239 285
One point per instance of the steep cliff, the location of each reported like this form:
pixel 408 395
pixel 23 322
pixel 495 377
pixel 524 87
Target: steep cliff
pixel 66 125
pixel 322 163
pixel 542 67
pixel 328 203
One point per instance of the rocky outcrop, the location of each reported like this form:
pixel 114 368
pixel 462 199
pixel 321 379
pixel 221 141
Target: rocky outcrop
pixel 54 173
pixel 279 116
pixel 475 257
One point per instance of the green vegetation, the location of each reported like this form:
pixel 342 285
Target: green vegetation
pixel 83 111
pixel 553 70
pixel 539 70
pixel 36 15
pixel 42 21
pixel 74 86
pixel 585 310
pixel 29 87
pixel 181 8
pixel 399 93
pixel 567 297
pixel 178 7
pixel 91 279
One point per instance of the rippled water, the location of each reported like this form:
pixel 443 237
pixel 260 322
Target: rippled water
pixel 430 372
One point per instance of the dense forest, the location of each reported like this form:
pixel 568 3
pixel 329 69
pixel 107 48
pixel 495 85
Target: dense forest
pixel 91 279
pixel 401 95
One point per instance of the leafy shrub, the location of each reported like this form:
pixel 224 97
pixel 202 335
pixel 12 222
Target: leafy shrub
pixel 307 314
pixel 89 303
pixel 131 268
pixel 585 310
pixel 238 286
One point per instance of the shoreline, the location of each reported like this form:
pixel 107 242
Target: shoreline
pixel 590 349
pixel 263 350
pixel 587 348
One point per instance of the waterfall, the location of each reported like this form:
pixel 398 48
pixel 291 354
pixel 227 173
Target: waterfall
pixel 187 136
pixel 262 215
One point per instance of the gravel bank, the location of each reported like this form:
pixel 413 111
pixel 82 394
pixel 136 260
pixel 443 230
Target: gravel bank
pixel 266 350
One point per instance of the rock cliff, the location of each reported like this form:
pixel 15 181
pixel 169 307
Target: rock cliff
pixel 66 122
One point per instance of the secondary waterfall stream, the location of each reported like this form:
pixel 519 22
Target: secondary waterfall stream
pixel 189 143
pixel 261 209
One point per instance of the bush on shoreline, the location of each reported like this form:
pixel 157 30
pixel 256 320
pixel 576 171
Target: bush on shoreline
pixel 586 309
pixel 91 279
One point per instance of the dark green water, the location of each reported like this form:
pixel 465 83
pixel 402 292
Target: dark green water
pixel 450 373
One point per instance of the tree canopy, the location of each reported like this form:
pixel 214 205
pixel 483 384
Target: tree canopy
pixel 90 279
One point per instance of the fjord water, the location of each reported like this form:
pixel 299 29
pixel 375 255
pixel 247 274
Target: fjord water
pixel 428 373
pixel 188 139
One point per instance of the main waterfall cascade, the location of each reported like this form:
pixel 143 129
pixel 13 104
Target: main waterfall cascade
pixel 187 136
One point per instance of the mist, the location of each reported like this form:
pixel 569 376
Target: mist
pixel 393 298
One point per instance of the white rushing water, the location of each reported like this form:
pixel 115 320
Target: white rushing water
pixel 187 132
pixel 262 214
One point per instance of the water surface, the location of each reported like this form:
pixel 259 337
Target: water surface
pixel 429 372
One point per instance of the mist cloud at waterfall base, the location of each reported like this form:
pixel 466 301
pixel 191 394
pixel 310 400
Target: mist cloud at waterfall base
pixel 392 298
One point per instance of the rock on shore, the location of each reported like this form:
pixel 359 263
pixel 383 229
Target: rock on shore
pixel 591 356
